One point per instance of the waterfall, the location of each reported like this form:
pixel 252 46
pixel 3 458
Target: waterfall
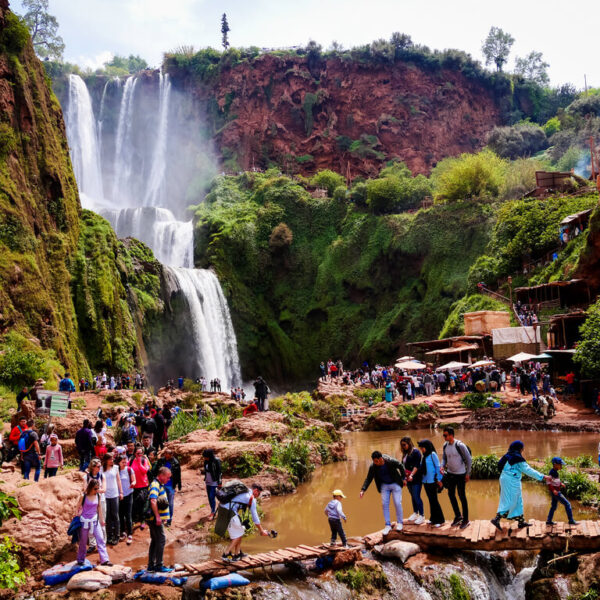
pixel 143 204
pixel 154 193
pixel 83 142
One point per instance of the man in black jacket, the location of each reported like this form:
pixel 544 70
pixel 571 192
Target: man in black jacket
pixel 389 475
pixel 168 460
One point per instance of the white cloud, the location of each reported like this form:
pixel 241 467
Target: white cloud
pixel 93 62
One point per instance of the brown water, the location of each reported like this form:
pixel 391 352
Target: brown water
pixel 299 518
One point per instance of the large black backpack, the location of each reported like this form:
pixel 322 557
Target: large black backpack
pixel 230 490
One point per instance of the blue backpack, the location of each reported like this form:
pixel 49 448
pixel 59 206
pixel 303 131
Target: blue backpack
pixel 23 439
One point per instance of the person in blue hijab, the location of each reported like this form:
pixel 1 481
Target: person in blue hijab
pixel 512 467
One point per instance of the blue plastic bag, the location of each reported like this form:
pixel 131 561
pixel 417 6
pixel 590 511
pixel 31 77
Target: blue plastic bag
pixel 158 578
pixel 219 583
pixel 61 573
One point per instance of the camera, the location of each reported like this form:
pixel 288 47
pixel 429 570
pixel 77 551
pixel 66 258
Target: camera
pixel 273 533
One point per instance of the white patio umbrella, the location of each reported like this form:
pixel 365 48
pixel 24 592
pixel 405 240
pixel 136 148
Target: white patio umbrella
pixel 410 365
pixel 483 363
pixel 452 366
pixel 522 356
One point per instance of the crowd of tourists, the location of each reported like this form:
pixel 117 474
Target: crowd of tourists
pixel 103 381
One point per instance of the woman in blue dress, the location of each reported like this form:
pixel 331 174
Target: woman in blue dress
pixel 512 467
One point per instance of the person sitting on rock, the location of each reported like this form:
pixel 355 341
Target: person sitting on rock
pixel 251 408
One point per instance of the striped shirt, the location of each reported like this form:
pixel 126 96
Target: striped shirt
pixel 158 492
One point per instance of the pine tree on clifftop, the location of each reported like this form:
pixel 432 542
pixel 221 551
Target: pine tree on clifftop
pixel 225 30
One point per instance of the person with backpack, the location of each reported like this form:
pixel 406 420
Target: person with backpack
pixel 126 503
pixel 94 471
pixel 233 504
pixel 113 495
pixel 84 444
pixel 411 459
pixel 156 517
pixel 29 448
pixel 66 384
pixel 212 478
pixel 148 426
pixel 14 437
pixel 92 521
pixel 169 461
pixel 141 466
pixel 456 471
pixel 432 480
pixel 389 475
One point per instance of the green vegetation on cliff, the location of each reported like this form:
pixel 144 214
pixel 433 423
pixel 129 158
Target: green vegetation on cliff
pixel 349 283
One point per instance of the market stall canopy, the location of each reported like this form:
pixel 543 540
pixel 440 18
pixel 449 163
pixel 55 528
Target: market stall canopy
pixel 483 363
pixel 452 366
pixel 522 356
pixel 410 365
pixel 455 349
pixel 405 358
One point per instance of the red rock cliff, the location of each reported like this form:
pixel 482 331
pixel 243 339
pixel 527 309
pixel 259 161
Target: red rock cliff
pixel 344 113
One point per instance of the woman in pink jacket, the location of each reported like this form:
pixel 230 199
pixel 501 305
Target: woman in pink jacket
pixel 54 457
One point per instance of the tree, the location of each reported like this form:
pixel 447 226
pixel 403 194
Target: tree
pixel 225 30
pixel 496 47
pixel 328 180
pixel 533 67
pixel 587 354
pixel 44 30
pixel 131 64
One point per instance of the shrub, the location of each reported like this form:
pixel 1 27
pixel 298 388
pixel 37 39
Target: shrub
pixel 587 354
pixel 248 465
pixel 11 575
pixel 383 195
pixel 475 400
pixel 469 176
pixel 8 140
pixel 485 466
pixel 189 385
pixel 369 395
pixel 588 105
pixel 293 455
pixel 552 126
pixel 520 178
pixel 8 508
pixel 328 180
pixel 364 580
pixel 523 139
pixel 578 484
pixel 14 35
pixel 281 237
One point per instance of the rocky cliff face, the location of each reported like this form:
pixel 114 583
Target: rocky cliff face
pixel 339 114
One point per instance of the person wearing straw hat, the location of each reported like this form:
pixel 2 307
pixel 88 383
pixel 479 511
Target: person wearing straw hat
pixel 335 514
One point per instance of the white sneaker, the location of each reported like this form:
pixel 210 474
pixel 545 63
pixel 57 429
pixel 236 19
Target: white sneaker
pixel 438 525
pixel 399 527
pixel 386 530
pixel 420 520
pixel 412 517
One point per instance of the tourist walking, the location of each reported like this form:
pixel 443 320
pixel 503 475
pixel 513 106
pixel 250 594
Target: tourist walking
pixel 84 444
pixel 92 520
pixel 389 478
pixel 235 528
pixel 30 452
pixel 113 495
pixel 556 486
pixel 411 459
pixel 456 471
pixel 159 506
pixel 140 465
pixel 432 481
pixel 127 477
pixel 212 478
pixel 174 482
pixel 335 514
pixel 512 467
pixel 53 459
pixel 261 391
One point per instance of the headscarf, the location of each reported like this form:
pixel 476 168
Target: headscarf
pixel 513 456
pixel 429 448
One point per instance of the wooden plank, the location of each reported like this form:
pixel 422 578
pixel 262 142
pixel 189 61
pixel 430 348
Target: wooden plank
pixel 585 529
pixel 467 531
pixel 560 529
pixel 315 551
pixel 475 534
pixel 522 533
pixel 296 552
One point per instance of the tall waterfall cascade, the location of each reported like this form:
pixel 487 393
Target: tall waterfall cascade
pixel 121 163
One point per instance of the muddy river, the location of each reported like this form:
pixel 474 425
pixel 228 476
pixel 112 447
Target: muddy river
pixel 299 517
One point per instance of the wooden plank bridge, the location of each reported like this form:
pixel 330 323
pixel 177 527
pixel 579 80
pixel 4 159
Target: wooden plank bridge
pixel 479 535
pixel 218 567
pixel 482 535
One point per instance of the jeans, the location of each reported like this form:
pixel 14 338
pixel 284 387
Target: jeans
pixel 453 483
pixel 157 545
pixel 112 519
pixel 125 522
pixel 555 500
pixel 31 462
pixel 415 496
pixel 171 496
pixel 50 472
pixel 84 460
pixel 336 528
pixel 394 490
pixel 211 492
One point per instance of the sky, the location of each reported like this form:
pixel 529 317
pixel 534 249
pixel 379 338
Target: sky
pixel 94 30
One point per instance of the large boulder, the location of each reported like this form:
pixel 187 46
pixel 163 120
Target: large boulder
pixel 258 426
pixel 47 508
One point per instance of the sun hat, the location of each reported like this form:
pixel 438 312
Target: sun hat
pixel 338 493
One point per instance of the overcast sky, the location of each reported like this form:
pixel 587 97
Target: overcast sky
pixel 567 34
